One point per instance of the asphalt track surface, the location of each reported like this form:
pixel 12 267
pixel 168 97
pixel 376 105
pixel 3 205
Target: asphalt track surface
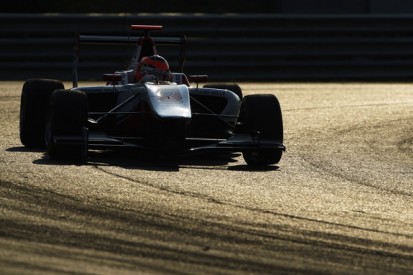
pixel 340 201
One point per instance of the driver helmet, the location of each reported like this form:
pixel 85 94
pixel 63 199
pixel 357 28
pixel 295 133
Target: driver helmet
pixel 154 65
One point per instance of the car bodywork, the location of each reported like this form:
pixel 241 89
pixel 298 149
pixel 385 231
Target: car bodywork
pixel 168 118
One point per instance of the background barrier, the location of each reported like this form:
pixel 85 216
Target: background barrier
pixel 257 47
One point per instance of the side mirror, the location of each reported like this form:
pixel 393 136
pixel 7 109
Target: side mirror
pixel 198 78
pixel 112 77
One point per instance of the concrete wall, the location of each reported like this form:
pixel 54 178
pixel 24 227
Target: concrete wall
pixel 345 7
pixel 212 6
pixel 255 47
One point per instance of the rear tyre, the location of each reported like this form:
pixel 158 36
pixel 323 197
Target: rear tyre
pixel 33 108
pixel 261 116
pixel 67 117
pixel 235 88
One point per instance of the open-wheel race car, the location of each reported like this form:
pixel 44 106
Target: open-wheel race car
pixel 148 107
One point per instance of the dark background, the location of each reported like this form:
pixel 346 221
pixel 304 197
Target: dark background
pixel 280 40
pixel 213 6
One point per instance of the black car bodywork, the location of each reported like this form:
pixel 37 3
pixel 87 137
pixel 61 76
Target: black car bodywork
pixel 168 118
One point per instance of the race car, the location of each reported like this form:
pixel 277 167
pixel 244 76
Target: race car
pixel 165 116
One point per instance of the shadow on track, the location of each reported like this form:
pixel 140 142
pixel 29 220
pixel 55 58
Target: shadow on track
pixel 137 159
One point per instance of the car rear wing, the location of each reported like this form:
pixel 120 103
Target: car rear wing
pixel 125 40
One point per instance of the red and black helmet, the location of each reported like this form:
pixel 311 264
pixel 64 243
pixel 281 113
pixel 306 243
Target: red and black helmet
pixel 154 65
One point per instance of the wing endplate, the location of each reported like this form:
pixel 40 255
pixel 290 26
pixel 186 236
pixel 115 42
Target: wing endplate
pixel 147 27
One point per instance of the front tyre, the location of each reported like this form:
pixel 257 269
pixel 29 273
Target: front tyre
pixel 33 108
pixel 66 124
pixel 261 115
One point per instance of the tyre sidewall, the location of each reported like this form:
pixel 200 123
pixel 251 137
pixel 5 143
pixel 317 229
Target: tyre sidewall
pixel 67 115
pixel 33 108
pixel 261 115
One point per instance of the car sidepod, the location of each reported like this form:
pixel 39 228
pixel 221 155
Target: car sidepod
pixel 214 113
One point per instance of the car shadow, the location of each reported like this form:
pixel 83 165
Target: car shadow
pixel 136 159
pixel 247 168
pixel 24 149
